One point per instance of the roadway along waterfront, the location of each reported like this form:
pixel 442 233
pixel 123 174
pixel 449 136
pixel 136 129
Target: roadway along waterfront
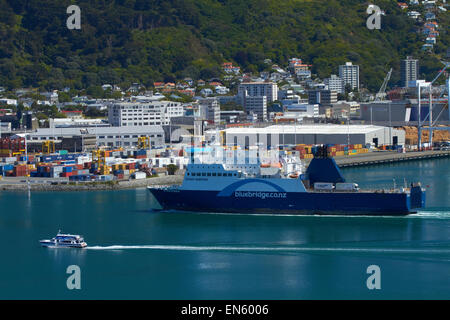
pixel 381 157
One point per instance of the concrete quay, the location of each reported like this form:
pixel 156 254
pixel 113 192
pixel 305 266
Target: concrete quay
pixel 383 157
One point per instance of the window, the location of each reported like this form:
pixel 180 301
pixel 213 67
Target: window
pixel 203 174
pixel 209 174
pixel 219 174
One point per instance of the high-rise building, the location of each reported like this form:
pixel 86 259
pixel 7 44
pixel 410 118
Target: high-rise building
pixel 349 74
pixel 409 70
pixel 335 83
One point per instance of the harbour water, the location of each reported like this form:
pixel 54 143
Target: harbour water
pixel 136 253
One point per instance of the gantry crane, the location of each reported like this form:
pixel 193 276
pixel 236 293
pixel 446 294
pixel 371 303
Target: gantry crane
pixel 48 147
pixel 144 142
pixel 430 112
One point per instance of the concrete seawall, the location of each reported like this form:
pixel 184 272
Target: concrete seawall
pixel 87 186
pixel 373 158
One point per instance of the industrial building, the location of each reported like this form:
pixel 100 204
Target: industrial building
pixel 403 112
pixel 105 136
pixel 272 136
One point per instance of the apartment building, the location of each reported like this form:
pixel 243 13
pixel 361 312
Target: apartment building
pixel 349 74
pixel 409 70
pixel 208 109
pixel 335 83
pixel 258 89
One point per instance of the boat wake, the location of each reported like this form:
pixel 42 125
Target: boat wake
pixel 269 249
pixel 431 214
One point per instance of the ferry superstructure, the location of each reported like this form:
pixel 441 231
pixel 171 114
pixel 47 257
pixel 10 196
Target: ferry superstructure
pixel 64 241
pixel 283 189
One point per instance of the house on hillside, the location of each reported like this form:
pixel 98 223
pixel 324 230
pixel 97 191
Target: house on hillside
pixel 75 114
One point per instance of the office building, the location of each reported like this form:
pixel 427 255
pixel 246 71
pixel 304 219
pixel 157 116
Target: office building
pixel 256 105
pixel 130 114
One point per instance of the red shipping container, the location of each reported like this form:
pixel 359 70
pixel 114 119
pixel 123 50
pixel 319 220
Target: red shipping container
pixel 79 166
pixel 65 174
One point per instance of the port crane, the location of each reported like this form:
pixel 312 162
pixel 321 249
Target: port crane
pixel 382 92
pixel 144 142
pixel 48 147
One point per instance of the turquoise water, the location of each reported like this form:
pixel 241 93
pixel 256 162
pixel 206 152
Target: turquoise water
pixel 136 253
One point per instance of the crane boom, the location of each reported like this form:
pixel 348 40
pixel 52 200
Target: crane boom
pixel 381 92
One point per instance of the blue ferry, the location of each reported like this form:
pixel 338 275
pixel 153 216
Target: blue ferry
pixel 283 189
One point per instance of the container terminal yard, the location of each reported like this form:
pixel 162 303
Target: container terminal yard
pixel 117 168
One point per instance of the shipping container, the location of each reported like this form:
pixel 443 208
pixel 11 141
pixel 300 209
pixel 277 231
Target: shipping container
pixel 139 175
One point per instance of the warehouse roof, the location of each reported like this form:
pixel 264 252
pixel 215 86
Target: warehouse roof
pixel 98 130
pixel 309 129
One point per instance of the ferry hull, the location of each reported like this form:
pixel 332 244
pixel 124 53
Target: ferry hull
pixel 302 203
pixel 51 244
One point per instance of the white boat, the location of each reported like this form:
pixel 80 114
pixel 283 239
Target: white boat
pixel 64 241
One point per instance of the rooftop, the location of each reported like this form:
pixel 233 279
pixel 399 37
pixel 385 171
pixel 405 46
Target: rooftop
pixel 308 129
pixel 97 130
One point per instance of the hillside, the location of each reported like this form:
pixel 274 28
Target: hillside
pixel 123 41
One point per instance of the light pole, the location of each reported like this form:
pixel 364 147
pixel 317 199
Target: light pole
pixel 390 124
pixel 420 84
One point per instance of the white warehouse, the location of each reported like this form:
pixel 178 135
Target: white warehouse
pixel 312 134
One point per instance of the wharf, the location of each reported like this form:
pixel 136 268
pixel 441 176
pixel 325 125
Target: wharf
pixel 63 184
pixel 383 157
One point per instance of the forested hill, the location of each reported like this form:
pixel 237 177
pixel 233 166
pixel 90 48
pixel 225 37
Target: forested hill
pixel 123 41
